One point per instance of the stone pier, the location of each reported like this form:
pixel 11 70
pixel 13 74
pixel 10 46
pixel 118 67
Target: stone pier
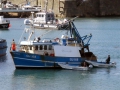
pixel 81 8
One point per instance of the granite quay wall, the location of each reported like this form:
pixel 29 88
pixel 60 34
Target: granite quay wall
pixel 81 8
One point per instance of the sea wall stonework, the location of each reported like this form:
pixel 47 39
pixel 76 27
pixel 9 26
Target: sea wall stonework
pixel 81 8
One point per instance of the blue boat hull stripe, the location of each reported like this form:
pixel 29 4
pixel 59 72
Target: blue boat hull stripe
pixel 45 61
pixel 30 66
pixel 26 59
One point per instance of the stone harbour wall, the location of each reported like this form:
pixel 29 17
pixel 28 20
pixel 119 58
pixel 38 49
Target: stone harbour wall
pixel 81 8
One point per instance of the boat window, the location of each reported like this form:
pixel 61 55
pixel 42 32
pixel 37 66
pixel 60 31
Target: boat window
pixel 45 47
pixel 39 15
pixel 42 15
pixel 41 47
pixel 50 47
pixel 30 47
pixel 36 47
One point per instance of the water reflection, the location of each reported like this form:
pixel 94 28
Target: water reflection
pixel 49 79
pixel 53 79
pixel 3 58
pixel 96 79
pixel 4 29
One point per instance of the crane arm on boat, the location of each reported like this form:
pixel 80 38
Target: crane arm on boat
pixel 74 33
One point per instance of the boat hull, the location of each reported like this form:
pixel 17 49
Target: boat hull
pixel 3 51
pixel 45 26
pixel 27 60
pixel 73 67
pixel 5 25
pixel 50 26
pixel 3 47
pixel 100 64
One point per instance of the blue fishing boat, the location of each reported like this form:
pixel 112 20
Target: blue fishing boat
pixel 47 53
pixel 3 47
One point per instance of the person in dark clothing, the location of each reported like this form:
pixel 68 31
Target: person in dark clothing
pixel 108 60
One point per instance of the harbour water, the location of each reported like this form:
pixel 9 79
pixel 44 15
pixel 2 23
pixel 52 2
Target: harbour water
pixel 105 41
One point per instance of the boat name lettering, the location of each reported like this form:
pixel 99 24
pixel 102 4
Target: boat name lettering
pixel 73 59
pixel 31 56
